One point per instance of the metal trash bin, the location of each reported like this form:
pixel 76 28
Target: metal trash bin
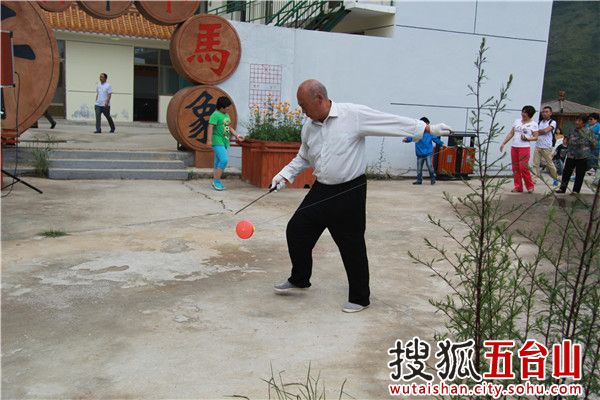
pixel 466 155
pixel 445 160
pixel 457 160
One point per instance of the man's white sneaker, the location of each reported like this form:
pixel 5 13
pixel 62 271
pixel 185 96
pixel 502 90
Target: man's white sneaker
pixel 351 307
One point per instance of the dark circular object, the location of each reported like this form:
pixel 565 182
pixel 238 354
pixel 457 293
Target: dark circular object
pixel 55 5
pixel 105 9
pixel 189 111
pixel 167 12
pixel 36 62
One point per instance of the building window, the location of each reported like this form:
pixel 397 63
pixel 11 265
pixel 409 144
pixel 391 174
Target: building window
pixel 170 82
pixel 202 8
pixel 233 6
pixel 145 56
pixel 153 76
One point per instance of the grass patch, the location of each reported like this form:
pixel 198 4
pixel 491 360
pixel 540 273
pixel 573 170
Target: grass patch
pixel 313 388
pixel 41 150
pixel 53 233
pixel 41 161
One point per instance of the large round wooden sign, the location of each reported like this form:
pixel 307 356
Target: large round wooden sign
pixel 167 12
pixel 55 5
pixel 189 111
pixel 36 65
pixel 105 9
pixel 205 49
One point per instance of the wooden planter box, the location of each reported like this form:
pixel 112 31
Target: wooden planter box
pixel 262 160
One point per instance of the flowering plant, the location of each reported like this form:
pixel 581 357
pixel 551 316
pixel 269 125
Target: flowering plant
pixel 275 122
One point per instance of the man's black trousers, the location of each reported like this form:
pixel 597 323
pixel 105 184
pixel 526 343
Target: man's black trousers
pixel 341 209
pixel 580 166
pixel 106 111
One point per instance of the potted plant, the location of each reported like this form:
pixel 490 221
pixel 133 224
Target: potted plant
pixel 272 142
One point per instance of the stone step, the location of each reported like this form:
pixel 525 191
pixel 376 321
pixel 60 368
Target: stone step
pixel 74 163
pixel 22 170
pixel 121 155
pixel 9 155
pixel 25 154
pixel 152 174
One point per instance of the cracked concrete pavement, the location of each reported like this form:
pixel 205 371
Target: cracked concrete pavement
pixel 152 295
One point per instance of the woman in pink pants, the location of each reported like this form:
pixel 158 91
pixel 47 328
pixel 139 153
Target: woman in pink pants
pixel 523 128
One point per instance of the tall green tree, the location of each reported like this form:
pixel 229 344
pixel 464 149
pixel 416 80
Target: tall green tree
pixel 573 58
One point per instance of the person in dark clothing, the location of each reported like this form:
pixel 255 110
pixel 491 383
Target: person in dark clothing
pixel 580 144
pixel 49 118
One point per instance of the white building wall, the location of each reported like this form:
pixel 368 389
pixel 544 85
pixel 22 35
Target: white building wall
pixel 84 63
pixel 441 40
pixel 86 56
pixel 423 70
pixel 163 105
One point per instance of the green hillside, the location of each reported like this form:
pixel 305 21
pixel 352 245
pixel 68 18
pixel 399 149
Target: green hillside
pixel 573 59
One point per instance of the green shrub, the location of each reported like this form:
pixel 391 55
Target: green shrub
pixel 41 161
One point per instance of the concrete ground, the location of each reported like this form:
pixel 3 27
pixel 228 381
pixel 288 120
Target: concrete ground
pixel 152 295
pixel 129 136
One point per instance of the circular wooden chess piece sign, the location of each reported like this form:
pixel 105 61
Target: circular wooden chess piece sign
pixel 189 111
pixel 55 5
pixel 167 12
pixel 36 63
pixel 205 49
pixel 105 9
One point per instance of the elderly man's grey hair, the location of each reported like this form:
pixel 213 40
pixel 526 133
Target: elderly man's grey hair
pixel 315 88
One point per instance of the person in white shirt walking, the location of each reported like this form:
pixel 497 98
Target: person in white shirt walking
pixel 333 143
pixel 103 94
pixel 544 145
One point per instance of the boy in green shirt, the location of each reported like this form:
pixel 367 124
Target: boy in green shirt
pixel 218 135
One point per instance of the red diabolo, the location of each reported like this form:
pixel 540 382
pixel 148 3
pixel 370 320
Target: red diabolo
pixel 244 229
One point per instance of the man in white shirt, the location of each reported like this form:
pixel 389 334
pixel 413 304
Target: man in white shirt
pixel 102 106
pixel 333 143
pixel 543 145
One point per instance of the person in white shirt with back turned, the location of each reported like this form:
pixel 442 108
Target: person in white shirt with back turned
pixel 333 143
pixel 102 106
